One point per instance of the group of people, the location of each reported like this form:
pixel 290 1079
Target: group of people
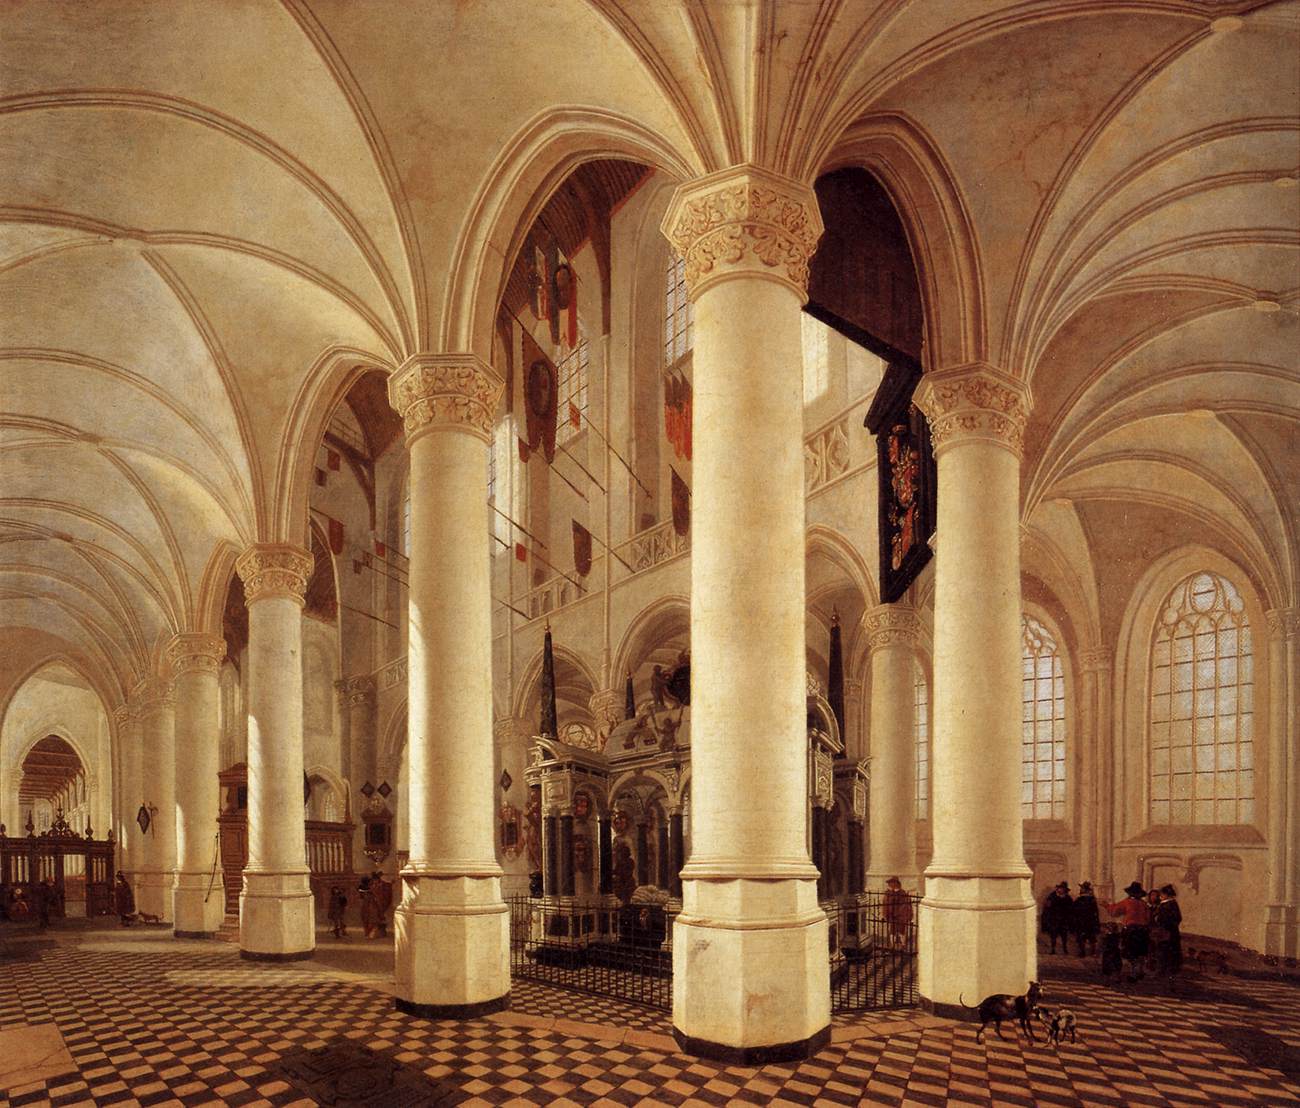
pixel 1146 931
pixel 36 901
pixel 375 893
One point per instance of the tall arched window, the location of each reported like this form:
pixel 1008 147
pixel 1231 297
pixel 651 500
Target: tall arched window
pixel 1042 788
pixel 921 737
pixel 679 314
pixel 1202 705
pixel 573 372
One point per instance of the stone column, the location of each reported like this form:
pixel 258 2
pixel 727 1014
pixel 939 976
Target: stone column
pixel 1099 803
pixel 452 928
pixel 1282 914
pixel 198 898
pixel 127 719
pixel 606 857
pixel 853 739
pixel 977 919
pixel 892 633
pixel 511 737
pixel 158 785
pixel 357 707
pixel 277 915
pixel 750 976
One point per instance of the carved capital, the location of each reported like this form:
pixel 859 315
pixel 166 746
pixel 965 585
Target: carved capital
pixel 744 221
pixel 975 403
pixel 153 695
pixel 449 392
pixel 195 652
pixel 124 715
pixel 278 570
pixel 355 692
pixel 1095 661
pixel 891 625
pixel 509 729
pixel 1283 623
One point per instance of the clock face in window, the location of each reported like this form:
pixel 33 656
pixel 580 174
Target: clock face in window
pixel 541 397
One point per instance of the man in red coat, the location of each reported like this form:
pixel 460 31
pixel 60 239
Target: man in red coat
pixel 1135 919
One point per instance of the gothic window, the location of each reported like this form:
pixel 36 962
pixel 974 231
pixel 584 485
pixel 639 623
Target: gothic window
pixel 816 358
pixel 921 737
pixel 1042 789
pixel 679 314
pixel 573 373
pixel 1201 709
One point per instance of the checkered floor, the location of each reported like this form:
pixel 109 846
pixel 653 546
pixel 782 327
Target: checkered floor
pixel 149 1020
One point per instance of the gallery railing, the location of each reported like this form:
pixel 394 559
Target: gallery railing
pixel 873 951
pixel 623 952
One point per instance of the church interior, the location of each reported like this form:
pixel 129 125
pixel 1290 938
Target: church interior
pixel 611 553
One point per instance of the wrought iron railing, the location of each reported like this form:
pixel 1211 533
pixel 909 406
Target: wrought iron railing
pixel 623 952
pixel 873 951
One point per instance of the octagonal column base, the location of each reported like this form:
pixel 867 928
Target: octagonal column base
pixel 153 894
pixel 451 946
pixel 277 917
pixel 198 906
pixel 751 977
pixel 976 937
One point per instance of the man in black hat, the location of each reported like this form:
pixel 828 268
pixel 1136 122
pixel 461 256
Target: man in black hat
pixel 1169 921
pixel 1135 919
pixel 1057 916
pixel 1086 920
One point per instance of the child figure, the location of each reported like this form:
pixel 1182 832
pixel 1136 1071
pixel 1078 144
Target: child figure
pixel 338 902
pixel 1112 958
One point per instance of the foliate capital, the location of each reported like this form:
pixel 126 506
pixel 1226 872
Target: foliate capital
pixel 1283 623
pixel 274 570
pixel 1096 660
pixel 195 652
pixel 891 625
pixel 153 695
pixel 454 392
pixel 124 714
pixel 975 403
pixel 744 221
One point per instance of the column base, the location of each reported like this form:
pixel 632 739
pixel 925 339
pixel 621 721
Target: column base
pixel 1282 930
pixel 198 906
pixel 153 894
pixel 277 917
pixel 751 975
pixel 451 946
pixel 977 937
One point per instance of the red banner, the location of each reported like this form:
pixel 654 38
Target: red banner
pixel 524 452
pixel 336 536
pixel 581 549
pixel 521 552
pixel 678 404
pixel 332 459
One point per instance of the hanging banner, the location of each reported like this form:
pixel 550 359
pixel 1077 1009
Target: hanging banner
pixel 541 395
pixel 524 452
pixel 681 504
pixel 907 479
pixel 678 402
pixel 336 536
pixel 581 549
pixel 521 552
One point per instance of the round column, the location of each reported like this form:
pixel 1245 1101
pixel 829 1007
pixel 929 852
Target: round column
pixel 199 898
pixel 892 633
pixel 452 928
pixel 158 787
pixel 750 977
pixel 127 722
pixel 976 923
pixel 1095 725
pixel 357 709
pixel 277 917
pixel 1282 917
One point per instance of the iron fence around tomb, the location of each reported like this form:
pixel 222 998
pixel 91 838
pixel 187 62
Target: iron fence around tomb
pixel 618 951
pixel 873 951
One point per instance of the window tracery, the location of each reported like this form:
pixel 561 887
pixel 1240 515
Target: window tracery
pixel 1201 706
pixel 679 314
pixel 921 738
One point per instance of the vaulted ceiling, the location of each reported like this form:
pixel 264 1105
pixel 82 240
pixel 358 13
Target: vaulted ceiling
pixel 201 203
